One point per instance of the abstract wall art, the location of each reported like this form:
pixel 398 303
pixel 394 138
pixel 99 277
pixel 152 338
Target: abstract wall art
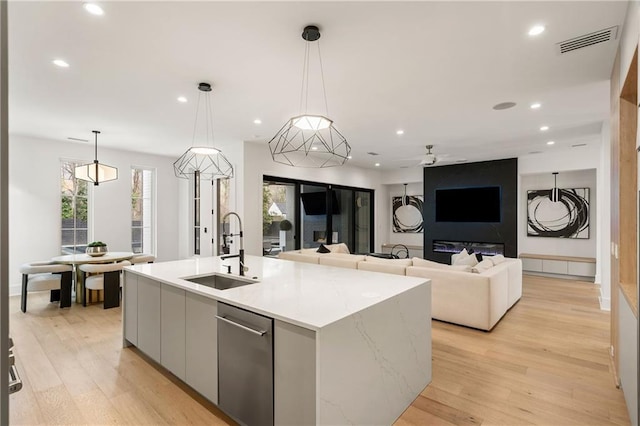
pixel 407 213
pixel 566 218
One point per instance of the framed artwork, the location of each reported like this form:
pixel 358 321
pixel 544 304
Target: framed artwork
pixel 407 214
pixel 566 218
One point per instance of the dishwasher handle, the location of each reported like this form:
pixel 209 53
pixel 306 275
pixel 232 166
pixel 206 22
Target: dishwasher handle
pixel 244 327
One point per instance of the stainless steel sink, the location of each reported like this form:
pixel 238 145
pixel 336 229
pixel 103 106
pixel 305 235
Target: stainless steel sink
pixel 221 281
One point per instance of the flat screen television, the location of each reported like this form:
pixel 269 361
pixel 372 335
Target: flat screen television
pixel 315 203
pixel 479 204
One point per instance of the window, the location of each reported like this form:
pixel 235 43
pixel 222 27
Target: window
pixel 142 218
pixel 74 212
pixel 223 190
pixel 196 212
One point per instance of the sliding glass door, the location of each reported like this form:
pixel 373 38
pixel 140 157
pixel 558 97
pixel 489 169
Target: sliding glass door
pixel 318 214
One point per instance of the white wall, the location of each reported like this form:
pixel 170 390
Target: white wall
pixel 563 161
pixel 34 200
pixel 558 246
pixel 257 163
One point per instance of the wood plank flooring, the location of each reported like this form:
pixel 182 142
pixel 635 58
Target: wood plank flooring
pixel 545 363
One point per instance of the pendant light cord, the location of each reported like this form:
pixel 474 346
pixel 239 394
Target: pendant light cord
pixel 195 124
pixel 324 90
pixel 304 90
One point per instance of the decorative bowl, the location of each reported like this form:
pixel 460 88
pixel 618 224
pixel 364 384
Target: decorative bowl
pixel 96 251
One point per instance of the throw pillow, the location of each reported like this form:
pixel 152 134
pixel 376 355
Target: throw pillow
pixel 497 259
pixel 323 249
pixel 424 263
pixel 482 266
pixel 338 248
pixel 456 256
pixel 470 260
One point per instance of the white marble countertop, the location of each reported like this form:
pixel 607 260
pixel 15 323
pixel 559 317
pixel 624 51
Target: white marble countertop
pixel 307 295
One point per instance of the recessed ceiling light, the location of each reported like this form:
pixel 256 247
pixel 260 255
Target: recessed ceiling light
pixel 536 30
pixel 544 128
pixel 182 99
pixel 399 132
pixel 535 105
pixel 60 63
pixel 504 105
pixel 93 9
pixel 257 121
pixel 349 157
pixel 314 148
pixel 550 143
pixel 377 164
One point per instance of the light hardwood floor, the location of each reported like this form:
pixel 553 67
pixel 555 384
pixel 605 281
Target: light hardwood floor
pixel 545 363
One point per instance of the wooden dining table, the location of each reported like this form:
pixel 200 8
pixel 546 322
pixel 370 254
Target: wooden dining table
pixel 81 258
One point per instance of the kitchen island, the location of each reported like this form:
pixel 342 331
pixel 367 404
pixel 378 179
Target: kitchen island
pixel 349 346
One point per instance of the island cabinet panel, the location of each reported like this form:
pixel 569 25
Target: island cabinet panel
pixel 294 374
pixel 149 317
pixel 382 354
pixel 172 330
pixel 130 302
pixel 202 345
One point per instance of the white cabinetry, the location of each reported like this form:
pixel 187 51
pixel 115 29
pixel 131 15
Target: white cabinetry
pixel 172 330
pixel 149 317
pixel 559 265
pixel 202 345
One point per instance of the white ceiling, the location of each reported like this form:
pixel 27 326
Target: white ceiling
pixel 433 69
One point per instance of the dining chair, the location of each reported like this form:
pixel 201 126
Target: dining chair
pixel 142 258
pixel 107 277
pixel 46 275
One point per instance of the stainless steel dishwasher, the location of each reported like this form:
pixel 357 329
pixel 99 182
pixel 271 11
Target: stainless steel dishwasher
pixel 245 365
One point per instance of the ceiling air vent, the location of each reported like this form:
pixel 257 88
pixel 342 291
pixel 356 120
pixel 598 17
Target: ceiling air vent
pixel 587 40
pixel 372 153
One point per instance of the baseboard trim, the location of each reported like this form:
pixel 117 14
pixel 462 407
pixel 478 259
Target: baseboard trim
pixel 605 302
pixel 561 276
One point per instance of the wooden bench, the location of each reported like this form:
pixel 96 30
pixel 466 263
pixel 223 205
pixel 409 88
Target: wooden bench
pixel 568 266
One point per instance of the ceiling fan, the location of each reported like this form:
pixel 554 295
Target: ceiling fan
pixel 429 159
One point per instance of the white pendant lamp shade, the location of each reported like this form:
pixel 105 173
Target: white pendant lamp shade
pixel 95 172
pixel 206 161
pixel 309 140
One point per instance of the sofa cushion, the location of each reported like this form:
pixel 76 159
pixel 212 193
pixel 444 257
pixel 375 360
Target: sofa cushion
pixel 480 267
pixel 460 268
pixel 424 263
pixel 387 267
pixel 399 262
pixel 323 249
pixel 497 259
pixel 470 260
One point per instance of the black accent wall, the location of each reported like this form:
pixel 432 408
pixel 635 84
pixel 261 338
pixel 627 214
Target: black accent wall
pixel 502 173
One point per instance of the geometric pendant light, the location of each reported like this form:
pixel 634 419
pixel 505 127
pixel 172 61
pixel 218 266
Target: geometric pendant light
pixel 309 140
pixel 96 172
pixel 204 160
pixel 554 194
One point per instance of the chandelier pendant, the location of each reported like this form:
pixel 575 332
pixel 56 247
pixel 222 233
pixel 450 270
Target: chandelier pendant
pixel 309 140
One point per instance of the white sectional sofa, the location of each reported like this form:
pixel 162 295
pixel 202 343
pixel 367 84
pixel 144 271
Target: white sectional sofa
pixel 477 300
